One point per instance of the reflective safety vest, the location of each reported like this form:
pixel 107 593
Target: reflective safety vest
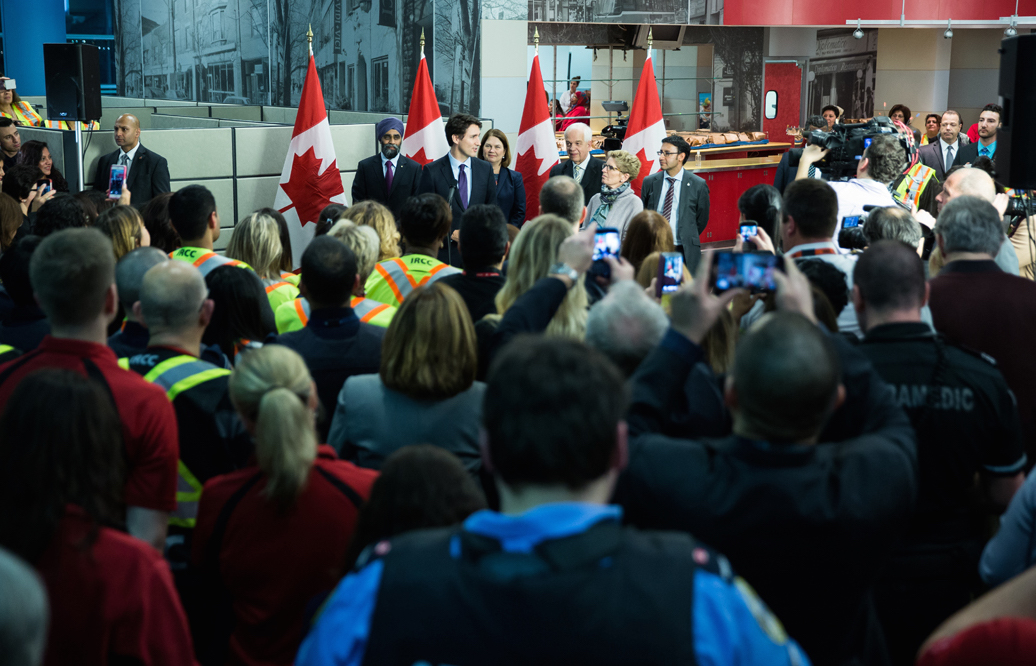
pixel 279 292
pixel 7 352
pixel 395 279
pixel 910 188
pixel 176 375
pixel 293 278
pixel 294 316
pixel 204 260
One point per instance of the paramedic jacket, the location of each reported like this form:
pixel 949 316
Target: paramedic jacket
pixel 560 584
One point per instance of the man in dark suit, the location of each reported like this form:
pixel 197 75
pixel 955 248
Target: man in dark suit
pixel 941 155
pixel 988 123
pixel 681 197
pixel 388 178
pixel 579 165
pixel 460 178
pixel 148 172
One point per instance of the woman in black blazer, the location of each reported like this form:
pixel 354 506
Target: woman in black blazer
pixel 510 190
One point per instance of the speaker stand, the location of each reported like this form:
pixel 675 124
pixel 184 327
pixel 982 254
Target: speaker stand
pixel 79 152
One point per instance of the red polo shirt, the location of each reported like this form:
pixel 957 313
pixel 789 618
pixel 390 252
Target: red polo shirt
pixel 113 602
pixel 149 429
pixel 275 563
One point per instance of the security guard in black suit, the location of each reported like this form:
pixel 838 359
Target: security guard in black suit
pixel 148 172
pixel 967 424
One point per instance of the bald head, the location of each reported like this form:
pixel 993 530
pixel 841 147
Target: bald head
pixel 562 195
pixel 130 271
pixel 127 132
pixel 970 182
pixel 172 298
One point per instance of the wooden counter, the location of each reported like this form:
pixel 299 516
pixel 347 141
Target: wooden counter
pixel 727 180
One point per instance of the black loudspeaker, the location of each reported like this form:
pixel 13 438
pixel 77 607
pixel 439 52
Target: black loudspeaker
pixel 73 82
pixel 1015 140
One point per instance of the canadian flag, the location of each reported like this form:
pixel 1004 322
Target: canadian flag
pixel 646 128
pixel 537 148
pixel 425 138
pixel 310 179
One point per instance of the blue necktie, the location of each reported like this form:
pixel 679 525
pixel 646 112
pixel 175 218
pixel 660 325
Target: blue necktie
pixel 983 151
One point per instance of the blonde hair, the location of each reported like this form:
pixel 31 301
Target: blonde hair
pixel 123 225
pixel 364 243
pixel 271 387
pixel 378 217
pixel 627 162
pixel 532 254
pixel 256 240
pixel 649 270
pixel 430 350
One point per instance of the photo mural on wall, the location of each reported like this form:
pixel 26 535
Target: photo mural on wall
pixel 256 51
pixel 842 72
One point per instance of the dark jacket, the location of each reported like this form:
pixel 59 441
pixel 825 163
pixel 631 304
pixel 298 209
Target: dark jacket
pixel 591 181
pixel 931 156
pixel 478 289
pixel 437 177
pixel 148 175
pixel 24 328
pixel 969 153
pixel 510 196
pixel 692 216
pixel 335 346
pixel 809 525
pixel 369 183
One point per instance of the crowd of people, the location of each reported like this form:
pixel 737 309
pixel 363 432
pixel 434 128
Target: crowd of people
pixel 450 437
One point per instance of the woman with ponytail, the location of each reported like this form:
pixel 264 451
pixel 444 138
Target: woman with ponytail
pixel 271 539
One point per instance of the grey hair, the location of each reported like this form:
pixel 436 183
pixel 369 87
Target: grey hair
pixel 562 196
pixel 129 273
pixel 588 133
pixel 24 613
pixel 171 296
pixel 363 241
pixel 969 224
pixel 626 325
pixel 892 223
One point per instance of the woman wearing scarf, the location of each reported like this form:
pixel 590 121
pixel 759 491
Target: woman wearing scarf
pixel 579 111
pixel 616 205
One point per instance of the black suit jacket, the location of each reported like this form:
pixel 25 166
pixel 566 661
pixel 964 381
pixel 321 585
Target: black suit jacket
pixel 148 175
pixel 968 154
pixel 437 178
pixel 692 214
pixel 591 181
pixel 369 183
pixel 932 156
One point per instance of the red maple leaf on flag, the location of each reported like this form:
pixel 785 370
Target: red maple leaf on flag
pixel 309 190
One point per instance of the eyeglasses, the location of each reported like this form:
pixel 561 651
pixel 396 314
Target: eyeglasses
pixel 662 152
pixel 608 167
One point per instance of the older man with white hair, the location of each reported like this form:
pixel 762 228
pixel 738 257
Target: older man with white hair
pixel 626 326
pixel 586 170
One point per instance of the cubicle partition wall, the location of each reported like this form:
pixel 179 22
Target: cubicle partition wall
pixel 240 165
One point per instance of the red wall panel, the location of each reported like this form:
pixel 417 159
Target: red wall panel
pixel 825 12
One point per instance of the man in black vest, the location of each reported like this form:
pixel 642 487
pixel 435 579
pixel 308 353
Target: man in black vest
pixel 460 178
pixel 148 172
pixel 553 578
pixel 388 177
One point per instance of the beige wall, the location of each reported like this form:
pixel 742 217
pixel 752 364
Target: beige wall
pixel 974 71
pixel 913 69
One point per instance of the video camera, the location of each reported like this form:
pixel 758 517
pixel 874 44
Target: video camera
pixel 615 134
pixel 845 145
pixel 851 236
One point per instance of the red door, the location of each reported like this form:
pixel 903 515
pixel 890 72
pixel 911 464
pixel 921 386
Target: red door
pixel 782 98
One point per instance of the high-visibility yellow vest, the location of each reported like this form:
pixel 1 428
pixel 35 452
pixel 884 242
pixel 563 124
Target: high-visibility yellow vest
pixel 176 375
pixel 911 187
pixel 394 279
pixel 280 292
pixel 294 316
pixel 204 260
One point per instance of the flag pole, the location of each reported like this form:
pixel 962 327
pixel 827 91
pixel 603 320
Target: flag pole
pixel 536 39
pixel 422 42
pixel 650 40
pixel 309 38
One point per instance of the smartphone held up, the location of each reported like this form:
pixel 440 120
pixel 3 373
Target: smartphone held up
pixel 115 181
pixel 606 244
pixel 670 273
pixel 753 271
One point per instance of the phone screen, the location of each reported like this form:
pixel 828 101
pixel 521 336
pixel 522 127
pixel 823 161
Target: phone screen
pixel 670 273
pixel 118 176
pixel 43 186
pixel 850 221
pixel 749 230
pixel 606 244
pixel 750 270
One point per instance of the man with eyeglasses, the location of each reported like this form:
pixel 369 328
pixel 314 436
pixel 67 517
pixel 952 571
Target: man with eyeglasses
pixel 681 197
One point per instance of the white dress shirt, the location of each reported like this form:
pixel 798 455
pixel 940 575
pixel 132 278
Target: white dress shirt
pixel 456 173
pixel 579 170
pixel 129 161
pixel 942 150
pixel 676 200
pixel 395 165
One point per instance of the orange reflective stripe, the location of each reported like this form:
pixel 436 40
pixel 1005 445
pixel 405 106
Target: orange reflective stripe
pixel 406 271
pixel 374 312
pixel 203 258
pixel 390 282
pixel 301 312
pixel 276 285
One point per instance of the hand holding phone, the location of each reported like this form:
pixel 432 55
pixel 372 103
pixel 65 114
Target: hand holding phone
pixel 670 273
pixel 116 178
pixel 751 270
pixel 43 186
pixel 748 229
pixel 606 244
